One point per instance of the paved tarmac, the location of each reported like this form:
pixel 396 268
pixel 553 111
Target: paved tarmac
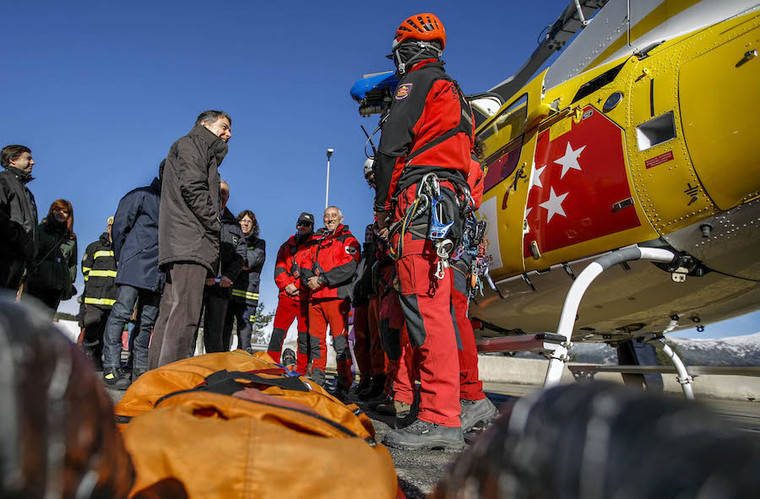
pixel 418 471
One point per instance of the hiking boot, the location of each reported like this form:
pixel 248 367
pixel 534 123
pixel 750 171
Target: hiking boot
pixel 318 376
pixel 116 379
pixel 476 411
pixel 288 359
pixel 422 435
pixel 394 408
pixel 341 393
pixel 376 387
pixel 136 373
pixel 381 399
pixel 364 384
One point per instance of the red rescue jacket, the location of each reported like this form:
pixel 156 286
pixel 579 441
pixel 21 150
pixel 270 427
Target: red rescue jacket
pixel 475 181
pixel 287 270
pixel 333 257
pixel 429 129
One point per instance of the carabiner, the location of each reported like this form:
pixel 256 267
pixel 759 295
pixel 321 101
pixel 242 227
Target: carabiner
pixel 437 230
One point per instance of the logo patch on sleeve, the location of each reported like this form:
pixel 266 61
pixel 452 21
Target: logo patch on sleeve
pixel 404 90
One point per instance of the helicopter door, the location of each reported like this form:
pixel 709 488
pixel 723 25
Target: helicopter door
pixel 579 200
pixel 719 112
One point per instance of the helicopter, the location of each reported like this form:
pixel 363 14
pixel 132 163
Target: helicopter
pixel 640 134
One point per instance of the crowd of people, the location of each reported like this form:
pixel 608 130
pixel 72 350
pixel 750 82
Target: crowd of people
pixel 174 258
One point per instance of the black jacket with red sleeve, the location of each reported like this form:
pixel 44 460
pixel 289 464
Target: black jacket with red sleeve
pixel 429 128
pixel 333 258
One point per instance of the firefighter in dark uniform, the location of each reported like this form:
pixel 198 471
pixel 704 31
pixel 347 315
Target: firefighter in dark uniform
pixel 99 270
pixel 421 171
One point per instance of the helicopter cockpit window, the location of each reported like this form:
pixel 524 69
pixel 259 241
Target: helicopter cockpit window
pixel 505 134
pixel 510 123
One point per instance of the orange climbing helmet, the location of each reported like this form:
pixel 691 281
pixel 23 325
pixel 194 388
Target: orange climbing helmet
pixel 426 27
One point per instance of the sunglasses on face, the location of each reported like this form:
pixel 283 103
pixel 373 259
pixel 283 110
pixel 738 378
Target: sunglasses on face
pixel 303 224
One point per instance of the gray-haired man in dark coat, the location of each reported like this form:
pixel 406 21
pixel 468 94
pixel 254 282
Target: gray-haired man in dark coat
pixel 188 233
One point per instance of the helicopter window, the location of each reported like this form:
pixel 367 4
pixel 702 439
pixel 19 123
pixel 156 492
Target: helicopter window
pixel 510 122
pixel 502 163
pixel 656 131
pixel 595 84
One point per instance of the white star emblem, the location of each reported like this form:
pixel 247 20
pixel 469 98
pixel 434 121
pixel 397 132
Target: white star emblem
pixel 536 180
pixel 570 159
pixel 554 205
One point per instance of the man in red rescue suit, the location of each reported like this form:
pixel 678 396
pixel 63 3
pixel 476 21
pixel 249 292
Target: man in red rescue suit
pixel 368 351
pixel 423 160
pixel 474 404
pixel 293 300
pixel 328 273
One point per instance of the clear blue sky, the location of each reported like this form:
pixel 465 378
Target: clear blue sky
pixel 99 90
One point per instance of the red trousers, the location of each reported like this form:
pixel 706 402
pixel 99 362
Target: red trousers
pixel 367 344
pixel 470 386
pixel 391 324
pixel 288 310
pixel 332 312
pixel 405 372
pixel 427 305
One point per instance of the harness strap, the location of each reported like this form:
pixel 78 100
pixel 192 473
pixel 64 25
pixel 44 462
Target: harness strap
pixel 227 382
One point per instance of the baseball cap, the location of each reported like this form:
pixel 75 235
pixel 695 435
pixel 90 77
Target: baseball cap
pixel 306 217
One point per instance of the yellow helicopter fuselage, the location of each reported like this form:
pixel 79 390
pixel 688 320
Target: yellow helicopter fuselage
pixel 655 148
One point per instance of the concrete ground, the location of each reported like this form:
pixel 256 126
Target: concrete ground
pixel 418 471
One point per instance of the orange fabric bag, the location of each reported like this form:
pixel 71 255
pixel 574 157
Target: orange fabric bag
pixel 231 425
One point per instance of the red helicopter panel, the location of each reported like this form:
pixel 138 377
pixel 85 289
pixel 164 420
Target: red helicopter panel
pixel 579 190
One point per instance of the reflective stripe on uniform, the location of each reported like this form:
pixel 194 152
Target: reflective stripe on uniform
pixel 86 273
pixel 100 253
pixel 102 273
pixel 99 301
pixel 245 294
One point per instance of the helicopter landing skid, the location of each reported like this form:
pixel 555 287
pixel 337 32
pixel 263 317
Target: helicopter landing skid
pixel 559 355
pixel 683 377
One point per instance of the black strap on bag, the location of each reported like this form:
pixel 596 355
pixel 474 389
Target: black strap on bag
pixel 227 382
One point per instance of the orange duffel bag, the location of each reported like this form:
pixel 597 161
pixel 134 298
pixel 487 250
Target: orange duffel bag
pixel 237 425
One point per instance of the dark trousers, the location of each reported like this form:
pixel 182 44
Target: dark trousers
pixel 94 324
pixel 243 314
pixel 147 311
pixel 10 272
pixel 215 303
pixel 179 314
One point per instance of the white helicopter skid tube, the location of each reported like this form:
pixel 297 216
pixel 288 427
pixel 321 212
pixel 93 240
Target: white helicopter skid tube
pixel 683 378
pixel 578 289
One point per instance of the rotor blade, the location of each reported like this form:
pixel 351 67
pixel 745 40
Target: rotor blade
pixel 563 29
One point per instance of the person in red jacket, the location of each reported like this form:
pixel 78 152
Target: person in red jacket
pixel 475 406
pixel 294 297
pixel 328 273
pixel 421 168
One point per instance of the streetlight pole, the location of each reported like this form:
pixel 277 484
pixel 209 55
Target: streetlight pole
pixel 330 152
